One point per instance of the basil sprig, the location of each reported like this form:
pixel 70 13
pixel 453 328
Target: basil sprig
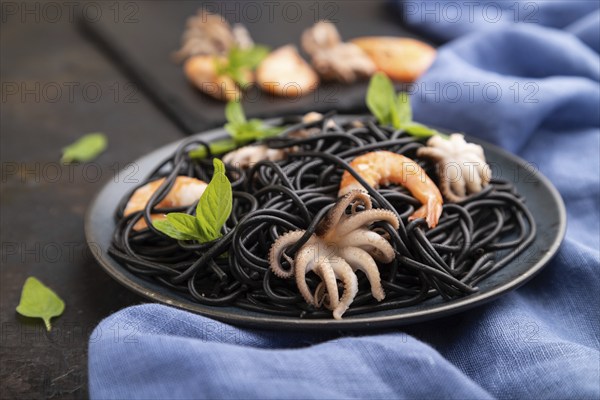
pixel 242 131
pixel 240 62
pixel 212 211
pixel 393 110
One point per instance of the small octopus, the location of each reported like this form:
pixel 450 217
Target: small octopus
pixel 461 166
pixel 246 156
pixel 210 34
pixel 342 243
pixel 334 59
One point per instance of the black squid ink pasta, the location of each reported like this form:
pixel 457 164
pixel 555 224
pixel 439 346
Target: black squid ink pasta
pixel 473 239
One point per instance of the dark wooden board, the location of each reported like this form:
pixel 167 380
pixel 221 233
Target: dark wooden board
pixel 43 203
pixel 143 45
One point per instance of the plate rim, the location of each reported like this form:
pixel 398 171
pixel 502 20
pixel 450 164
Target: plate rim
pixel 358 322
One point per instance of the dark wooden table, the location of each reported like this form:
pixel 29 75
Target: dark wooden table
pixel 56 86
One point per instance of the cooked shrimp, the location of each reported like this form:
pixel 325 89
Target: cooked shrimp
pixel 185 192
pixel 402 59
pixel 384 167
pixel 285 73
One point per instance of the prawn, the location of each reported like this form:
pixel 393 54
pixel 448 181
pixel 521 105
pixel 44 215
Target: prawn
pixel 285 73
pixel 185 192
pixel 384 167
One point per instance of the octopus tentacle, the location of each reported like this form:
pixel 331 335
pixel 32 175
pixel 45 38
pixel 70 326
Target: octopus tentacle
pixel 445 184
pixel 371 242
pixel 455 158
pixel 473 181
pixel 485 172
pixel 304 263
pixel 457 183
pixel 278 249
pixel 431 153
pixel 344 272
pixel 481 168
pixel 321 295
pixel 328 277
pixel 339 209
pixel 365 218
pixel 342 244
pixel 359 259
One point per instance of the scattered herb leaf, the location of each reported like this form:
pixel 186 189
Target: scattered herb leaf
pixel 212 211
pixel 39 301
pixel 85 148
pixel 392 109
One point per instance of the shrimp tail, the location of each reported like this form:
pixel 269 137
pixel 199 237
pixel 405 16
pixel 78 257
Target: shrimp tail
pixel 430 211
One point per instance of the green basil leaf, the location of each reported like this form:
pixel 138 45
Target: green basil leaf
pixel 381 98
pixel 220 66
pixel 245 135
pixel 253 56
pixel 401 113
pixel 216 148
pixel 254 125
pixel 247 58
pixel 419 130
pixel 39 301
pixel 233 129
pixel 244 131
pixel 235 113
pixel 184 223
pixel 239 77
pixel 168 229
pixel 85 148
pixel 270 131
pixel 234 58
pixel 219 167
pixel 390 109
pixel 215 205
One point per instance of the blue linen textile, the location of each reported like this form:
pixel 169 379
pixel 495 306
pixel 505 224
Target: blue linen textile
pixel 540 341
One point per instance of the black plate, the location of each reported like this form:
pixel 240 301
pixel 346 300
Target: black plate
pixel 542 198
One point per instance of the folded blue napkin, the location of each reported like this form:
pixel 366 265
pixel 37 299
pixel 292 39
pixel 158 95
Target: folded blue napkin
pixel 532 88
